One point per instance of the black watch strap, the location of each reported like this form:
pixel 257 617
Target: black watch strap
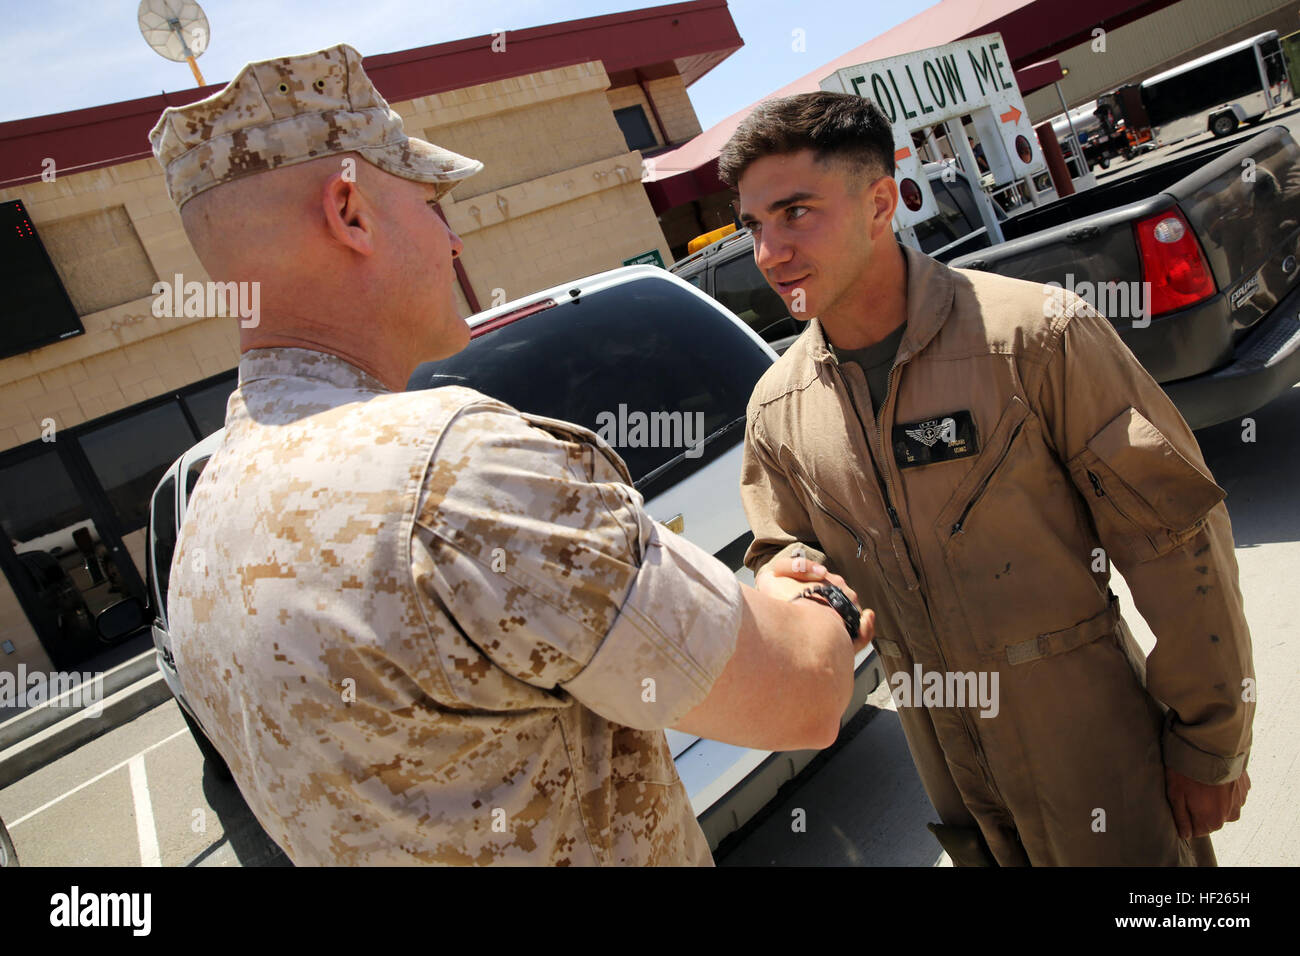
pixel 840 602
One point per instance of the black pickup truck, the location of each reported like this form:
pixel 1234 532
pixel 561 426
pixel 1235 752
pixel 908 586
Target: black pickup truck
pixel 1193 261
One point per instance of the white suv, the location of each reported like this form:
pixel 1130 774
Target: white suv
pixel 605 352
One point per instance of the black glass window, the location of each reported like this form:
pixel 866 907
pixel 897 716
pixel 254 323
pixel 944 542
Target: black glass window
pixel 947 225
pixel 130 454
pixel 192 476
pixel 636 128
pixel 1205 87
pixel 959 190
pixel 1274 61
pixel 739 286
pixel 636 349
pixel 39 499
pixel 208 405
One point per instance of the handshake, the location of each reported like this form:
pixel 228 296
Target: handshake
pixel 792 578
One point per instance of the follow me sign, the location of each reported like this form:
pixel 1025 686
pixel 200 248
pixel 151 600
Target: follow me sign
pixel 927 88
pixel 934 85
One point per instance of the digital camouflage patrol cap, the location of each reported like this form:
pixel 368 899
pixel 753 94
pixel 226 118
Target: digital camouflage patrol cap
pixel 289 110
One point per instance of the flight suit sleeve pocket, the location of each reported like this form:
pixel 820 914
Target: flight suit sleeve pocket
pixel 1145 496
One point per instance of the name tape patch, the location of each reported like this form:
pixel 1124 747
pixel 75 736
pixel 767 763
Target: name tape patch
pixel 945 438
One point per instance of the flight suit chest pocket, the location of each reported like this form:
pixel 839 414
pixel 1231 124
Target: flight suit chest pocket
pixel 1145 496
pixel 972 489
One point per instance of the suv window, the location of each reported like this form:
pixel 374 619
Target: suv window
pixel 739 286
pixel 192 475
pixel 643 347
pixel 947 225
pixel 959 190
pixel 161 544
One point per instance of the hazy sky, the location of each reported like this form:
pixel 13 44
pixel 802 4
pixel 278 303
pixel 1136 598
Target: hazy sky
pixel 58 55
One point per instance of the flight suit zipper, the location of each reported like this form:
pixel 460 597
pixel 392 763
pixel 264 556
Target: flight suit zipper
pixel 896 539
pixel 797 471
pixel 1100 492
pixel 904 559
pixel 979 493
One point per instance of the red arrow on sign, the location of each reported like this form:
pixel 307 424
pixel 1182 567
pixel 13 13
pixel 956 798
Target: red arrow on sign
pixel 1010 116
pixel 903 153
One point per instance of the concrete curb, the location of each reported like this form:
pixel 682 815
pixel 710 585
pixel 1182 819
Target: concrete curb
pixel 70 732
pixel 36 719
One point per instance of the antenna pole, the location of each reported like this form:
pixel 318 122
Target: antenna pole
pixel 194 67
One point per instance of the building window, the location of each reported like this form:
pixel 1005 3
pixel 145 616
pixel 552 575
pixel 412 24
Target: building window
pixel 208 405
pixel 131 453
pixel 636 128
pixel 73 514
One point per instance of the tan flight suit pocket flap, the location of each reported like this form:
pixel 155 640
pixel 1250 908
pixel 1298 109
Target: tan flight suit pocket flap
pixel 1067 639
pixel 1146 496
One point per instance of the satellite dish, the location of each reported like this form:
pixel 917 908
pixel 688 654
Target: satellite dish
pixel 176 29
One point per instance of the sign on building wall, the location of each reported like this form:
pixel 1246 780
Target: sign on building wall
pixel 651 258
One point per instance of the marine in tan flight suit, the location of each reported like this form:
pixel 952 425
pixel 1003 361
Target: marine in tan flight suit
pixel 974 483
pixel 426 627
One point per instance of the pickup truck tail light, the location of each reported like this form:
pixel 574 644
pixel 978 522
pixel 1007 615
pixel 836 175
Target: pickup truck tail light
pixel 1172 262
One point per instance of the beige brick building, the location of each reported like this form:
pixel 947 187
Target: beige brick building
pixel 88 423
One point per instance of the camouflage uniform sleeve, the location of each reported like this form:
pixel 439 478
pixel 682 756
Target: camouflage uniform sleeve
pixel 1163 524
pixel 545 559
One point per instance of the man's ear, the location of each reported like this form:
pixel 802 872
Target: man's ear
pixel 347 215
pixel 882 200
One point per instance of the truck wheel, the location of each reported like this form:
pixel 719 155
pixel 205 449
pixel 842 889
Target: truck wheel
pixel 210 753
pixel 1223 124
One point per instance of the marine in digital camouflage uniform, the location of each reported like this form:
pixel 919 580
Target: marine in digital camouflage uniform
pixel 420 627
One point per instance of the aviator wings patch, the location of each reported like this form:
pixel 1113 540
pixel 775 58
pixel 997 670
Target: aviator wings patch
pixel 945 438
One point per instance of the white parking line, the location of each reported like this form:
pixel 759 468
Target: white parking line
pixel 98 777
pixel 144 826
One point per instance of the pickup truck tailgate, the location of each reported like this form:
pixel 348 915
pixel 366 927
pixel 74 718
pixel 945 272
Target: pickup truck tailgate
pixel 1247 218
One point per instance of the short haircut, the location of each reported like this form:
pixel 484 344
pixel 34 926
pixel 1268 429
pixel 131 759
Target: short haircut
pixel 835 126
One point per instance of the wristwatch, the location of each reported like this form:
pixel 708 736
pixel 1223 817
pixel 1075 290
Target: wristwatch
pixel 840 603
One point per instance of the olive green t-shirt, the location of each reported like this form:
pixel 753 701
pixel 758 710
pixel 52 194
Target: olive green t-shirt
pixel 875 361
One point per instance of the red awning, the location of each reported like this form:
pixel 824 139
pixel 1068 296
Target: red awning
pixel 1037 75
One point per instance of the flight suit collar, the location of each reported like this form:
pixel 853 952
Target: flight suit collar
pixel 930 294
pixel 272 363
